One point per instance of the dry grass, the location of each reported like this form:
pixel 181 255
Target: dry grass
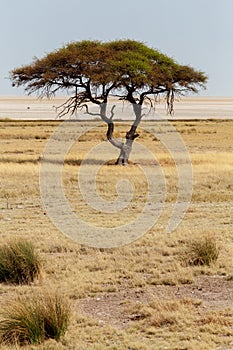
pixel 145 280
pixel 19 263
pixel 35 319
pixel 202 251
pixel 180 320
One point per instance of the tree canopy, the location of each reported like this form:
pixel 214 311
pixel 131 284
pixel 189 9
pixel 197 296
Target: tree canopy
pixel 92 71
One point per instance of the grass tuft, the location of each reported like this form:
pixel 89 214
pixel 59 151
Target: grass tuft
pixel 19 264
pixel 33 320
pixel 56 314
pixel 202 251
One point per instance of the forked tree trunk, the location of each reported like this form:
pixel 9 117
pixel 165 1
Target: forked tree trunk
pixel 124 147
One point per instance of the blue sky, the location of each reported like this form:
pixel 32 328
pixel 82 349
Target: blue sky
pixel 194 32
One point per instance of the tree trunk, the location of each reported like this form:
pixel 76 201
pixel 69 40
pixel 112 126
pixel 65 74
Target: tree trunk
pixel 125 151
pixel 125 147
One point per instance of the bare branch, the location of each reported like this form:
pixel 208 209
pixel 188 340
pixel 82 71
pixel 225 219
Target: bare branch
pixel 91 113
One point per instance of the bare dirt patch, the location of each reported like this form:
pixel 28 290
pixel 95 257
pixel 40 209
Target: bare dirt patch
pixel 213 293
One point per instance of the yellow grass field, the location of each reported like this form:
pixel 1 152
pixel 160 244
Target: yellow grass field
pixel 141 296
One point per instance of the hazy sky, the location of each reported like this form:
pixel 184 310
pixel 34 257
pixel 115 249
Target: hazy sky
pixel 195 32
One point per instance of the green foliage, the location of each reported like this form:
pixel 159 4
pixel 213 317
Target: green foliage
pixel 19 264
pixel 33 320
pixel 203 251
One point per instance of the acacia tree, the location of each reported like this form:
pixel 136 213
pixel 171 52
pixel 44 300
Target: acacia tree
pixel 93 71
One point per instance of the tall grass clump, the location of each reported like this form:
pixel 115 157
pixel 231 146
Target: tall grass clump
pixel 19 263
pixel 33 320
pixel 202 251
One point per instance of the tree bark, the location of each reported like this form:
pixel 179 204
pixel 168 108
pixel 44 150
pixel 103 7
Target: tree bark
pixel 125 151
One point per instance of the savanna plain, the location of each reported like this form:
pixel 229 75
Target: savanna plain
pixel 155 293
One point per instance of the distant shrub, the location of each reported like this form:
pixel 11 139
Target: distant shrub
pixel 33 320
pixel 203 251
pixel 19 264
